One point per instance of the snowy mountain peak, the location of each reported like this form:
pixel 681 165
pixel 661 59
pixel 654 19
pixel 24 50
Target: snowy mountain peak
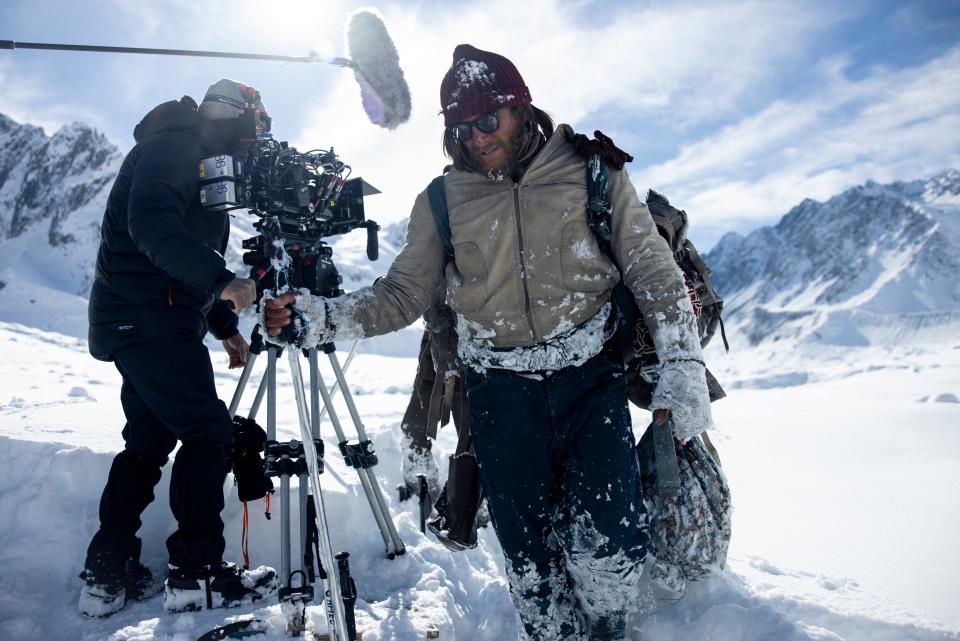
pixel 872 253
pixel 53 190
pixel 46 180
pixel 943 187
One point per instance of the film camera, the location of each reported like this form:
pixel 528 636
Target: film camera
pixel 299 199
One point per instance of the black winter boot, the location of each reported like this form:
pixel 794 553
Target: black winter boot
pixel 101 597
pixel 220 586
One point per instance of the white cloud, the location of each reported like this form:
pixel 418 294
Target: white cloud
pixel 888 125
pixel 676 67
pixel 677 62
pixel 25 99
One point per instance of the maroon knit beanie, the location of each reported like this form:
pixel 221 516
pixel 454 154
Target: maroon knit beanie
pixel 477 82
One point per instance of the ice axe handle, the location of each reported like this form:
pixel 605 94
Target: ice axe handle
pixel 348 591
pixel 426 505
pixel 665 455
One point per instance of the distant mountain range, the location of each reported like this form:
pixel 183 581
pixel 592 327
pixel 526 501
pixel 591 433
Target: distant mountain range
pixel 875 263
pixel 52 193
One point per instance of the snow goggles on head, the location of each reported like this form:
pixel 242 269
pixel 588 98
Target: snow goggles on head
pixel 487 123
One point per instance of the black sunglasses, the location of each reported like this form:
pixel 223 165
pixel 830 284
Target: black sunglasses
pixel 487 123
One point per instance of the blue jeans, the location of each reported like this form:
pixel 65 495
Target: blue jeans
pixel 556 456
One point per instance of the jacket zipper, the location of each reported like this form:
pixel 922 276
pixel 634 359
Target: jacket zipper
pixel 523 268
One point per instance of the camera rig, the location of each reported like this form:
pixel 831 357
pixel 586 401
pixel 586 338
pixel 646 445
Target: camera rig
pixel 299 199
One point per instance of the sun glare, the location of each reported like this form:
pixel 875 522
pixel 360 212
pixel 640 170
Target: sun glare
pixel 296 27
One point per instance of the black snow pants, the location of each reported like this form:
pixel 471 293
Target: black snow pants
pixel 559 471
pixel 168 394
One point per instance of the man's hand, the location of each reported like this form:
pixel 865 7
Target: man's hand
pixel 242 292
pixel 237 349
pixel 277 314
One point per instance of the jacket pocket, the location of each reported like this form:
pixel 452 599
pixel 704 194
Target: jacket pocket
pixel 470 293
pixel 584 265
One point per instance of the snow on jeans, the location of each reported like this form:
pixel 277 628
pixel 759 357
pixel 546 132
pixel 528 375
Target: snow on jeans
pixel 558 467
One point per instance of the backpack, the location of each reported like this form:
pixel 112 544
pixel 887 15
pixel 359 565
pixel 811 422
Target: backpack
pixel 672 223
pixel 634 340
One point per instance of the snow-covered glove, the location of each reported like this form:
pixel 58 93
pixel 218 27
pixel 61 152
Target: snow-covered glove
pixel 682 385
pixel 415 461
pixel 304 312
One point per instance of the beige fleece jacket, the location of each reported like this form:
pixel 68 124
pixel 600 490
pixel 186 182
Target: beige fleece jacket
pixel 527 266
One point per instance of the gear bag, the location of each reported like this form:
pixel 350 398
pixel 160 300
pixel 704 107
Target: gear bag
pixel 246 457
pixel 689 530
pixel 454 517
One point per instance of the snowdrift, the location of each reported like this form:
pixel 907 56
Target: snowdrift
pixel 60 427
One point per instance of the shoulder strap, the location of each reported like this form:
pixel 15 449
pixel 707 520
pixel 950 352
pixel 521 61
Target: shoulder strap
pixel 437 194
pixel 599 209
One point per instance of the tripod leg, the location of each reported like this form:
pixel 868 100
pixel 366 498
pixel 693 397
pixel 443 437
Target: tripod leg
pixel 395 543
pixel 242 384
pixel 304 539
pixel 293 605
pixel 370 487
pixel 272 393
pixel 258 398
pixel 336 384
pixel 338 624
pixel 315 416
pixel 285 525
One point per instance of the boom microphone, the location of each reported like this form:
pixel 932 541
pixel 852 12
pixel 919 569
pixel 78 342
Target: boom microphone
pixel 374 61
pixel 376 66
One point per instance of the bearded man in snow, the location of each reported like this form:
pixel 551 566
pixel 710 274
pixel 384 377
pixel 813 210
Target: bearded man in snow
pixel 531 292
pixel 161 284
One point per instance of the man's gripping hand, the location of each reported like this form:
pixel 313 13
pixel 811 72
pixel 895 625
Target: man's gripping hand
pixel 237 349
pixel 277 313
pixel 241 292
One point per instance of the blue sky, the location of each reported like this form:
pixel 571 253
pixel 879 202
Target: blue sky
pixel 736 110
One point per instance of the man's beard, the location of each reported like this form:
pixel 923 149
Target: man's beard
pixel 496 175
pixel 505 169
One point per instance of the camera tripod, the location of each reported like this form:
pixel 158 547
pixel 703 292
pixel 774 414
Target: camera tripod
pixel 298 458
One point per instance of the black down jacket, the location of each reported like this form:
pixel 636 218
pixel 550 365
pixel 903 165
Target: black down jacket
pixel 161 252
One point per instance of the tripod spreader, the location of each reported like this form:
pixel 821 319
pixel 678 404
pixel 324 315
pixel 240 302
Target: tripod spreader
pixel 359 455
pixel 288 458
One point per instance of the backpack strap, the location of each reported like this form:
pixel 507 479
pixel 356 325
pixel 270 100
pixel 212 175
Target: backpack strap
pixel 599 209
pixel 705 273
pixel 599 218
pixel 437 194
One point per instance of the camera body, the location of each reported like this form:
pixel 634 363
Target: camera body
pixel 299 199
pixel 308 193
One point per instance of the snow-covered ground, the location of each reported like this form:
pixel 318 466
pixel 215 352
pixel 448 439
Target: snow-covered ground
pixel 844 465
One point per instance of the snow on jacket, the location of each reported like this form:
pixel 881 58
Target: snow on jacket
pixel 160 255
pixel 527 268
